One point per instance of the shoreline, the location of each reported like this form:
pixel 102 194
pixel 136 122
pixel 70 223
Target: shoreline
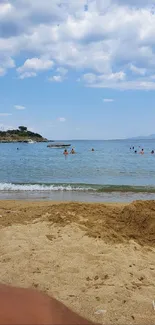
pixel 67 203
pixel 90 256
pixel 76 196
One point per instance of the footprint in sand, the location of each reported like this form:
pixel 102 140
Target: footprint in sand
pixel 6 260
pixel 50 237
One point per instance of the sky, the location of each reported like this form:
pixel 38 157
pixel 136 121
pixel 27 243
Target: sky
pixel 78 69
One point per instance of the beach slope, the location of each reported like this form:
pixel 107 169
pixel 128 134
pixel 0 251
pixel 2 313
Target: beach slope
pixel 99 259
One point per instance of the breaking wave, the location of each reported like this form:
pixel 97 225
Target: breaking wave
pixel 75 187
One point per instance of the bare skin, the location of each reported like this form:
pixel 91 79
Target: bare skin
pixel 29 307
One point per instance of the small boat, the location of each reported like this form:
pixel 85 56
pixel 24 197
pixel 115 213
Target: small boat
pixel 58 145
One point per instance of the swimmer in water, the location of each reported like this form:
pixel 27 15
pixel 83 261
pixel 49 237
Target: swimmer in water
pixel 92 149
pixel 72 151
pixel 65 152
pixel 135 151
pixel 142 152
pixel 152 152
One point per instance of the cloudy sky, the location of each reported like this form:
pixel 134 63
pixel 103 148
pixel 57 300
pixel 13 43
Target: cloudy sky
pixel 78 69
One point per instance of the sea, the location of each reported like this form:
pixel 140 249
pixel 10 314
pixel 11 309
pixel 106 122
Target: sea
pixel 112 173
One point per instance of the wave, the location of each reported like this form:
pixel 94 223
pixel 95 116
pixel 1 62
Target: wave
pixel 41 187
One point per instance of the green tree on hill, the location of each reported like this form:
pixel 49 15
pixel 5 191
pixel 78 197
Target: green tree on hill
pixel 21 134
pixel 22 128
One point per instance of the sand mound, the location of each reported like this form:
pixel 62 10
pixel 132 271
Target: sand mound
pixel 138 222
pixel 110 222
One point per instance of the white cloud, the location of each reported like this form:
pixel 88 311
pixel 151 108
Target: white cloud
pixel 19 107
pixel 112 36
pixel 139 71
pixel 118 81
pixel 128 85
pixel 5 8
pixel 57 78
pixel 91 78
pixel 61 76
pixel 5 63
pixel 62 119
pixel 108 100
pixel 27 75
pixel 5 114
pixel 34 65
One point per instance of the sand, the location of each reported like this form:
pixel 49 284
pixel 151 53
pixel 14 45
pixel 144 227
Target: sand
pixel 92 257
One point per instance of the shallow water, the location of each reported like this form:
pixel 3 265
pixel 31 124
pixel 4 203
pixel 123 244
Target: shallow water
pixel 105 174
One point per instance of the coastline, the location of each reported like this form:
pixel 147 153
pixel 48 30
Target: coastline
pixel 26 141
pixel 78 192
pixel 76 196
pixel 90 256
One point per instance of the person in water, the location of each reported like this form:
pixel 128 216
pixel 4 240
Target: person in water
pixel 92 149
pixel 135 151
pixel 152 152
pixel 65 152
pixel 72 151
pixel 142 152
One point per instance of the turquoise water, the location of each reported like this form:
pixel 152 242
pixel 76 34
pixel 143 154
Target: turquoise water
pixel 111 168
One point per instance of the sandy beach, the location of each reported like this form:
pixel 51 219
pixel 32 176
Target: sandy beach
pixel 99 259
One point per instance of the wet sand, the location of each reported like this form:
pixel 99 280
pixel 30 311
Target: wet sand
pixel 99 259
pixel 76 196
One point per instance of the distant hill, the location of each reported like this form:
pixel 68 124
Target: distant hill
pixel 149 137
pixel 22 134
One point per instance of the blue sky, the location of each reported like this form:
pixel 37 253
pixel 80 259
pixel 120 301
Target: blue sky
pixel 82 69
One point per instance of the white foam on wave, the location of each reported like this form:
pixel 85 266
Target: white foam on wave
pixel 40 187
